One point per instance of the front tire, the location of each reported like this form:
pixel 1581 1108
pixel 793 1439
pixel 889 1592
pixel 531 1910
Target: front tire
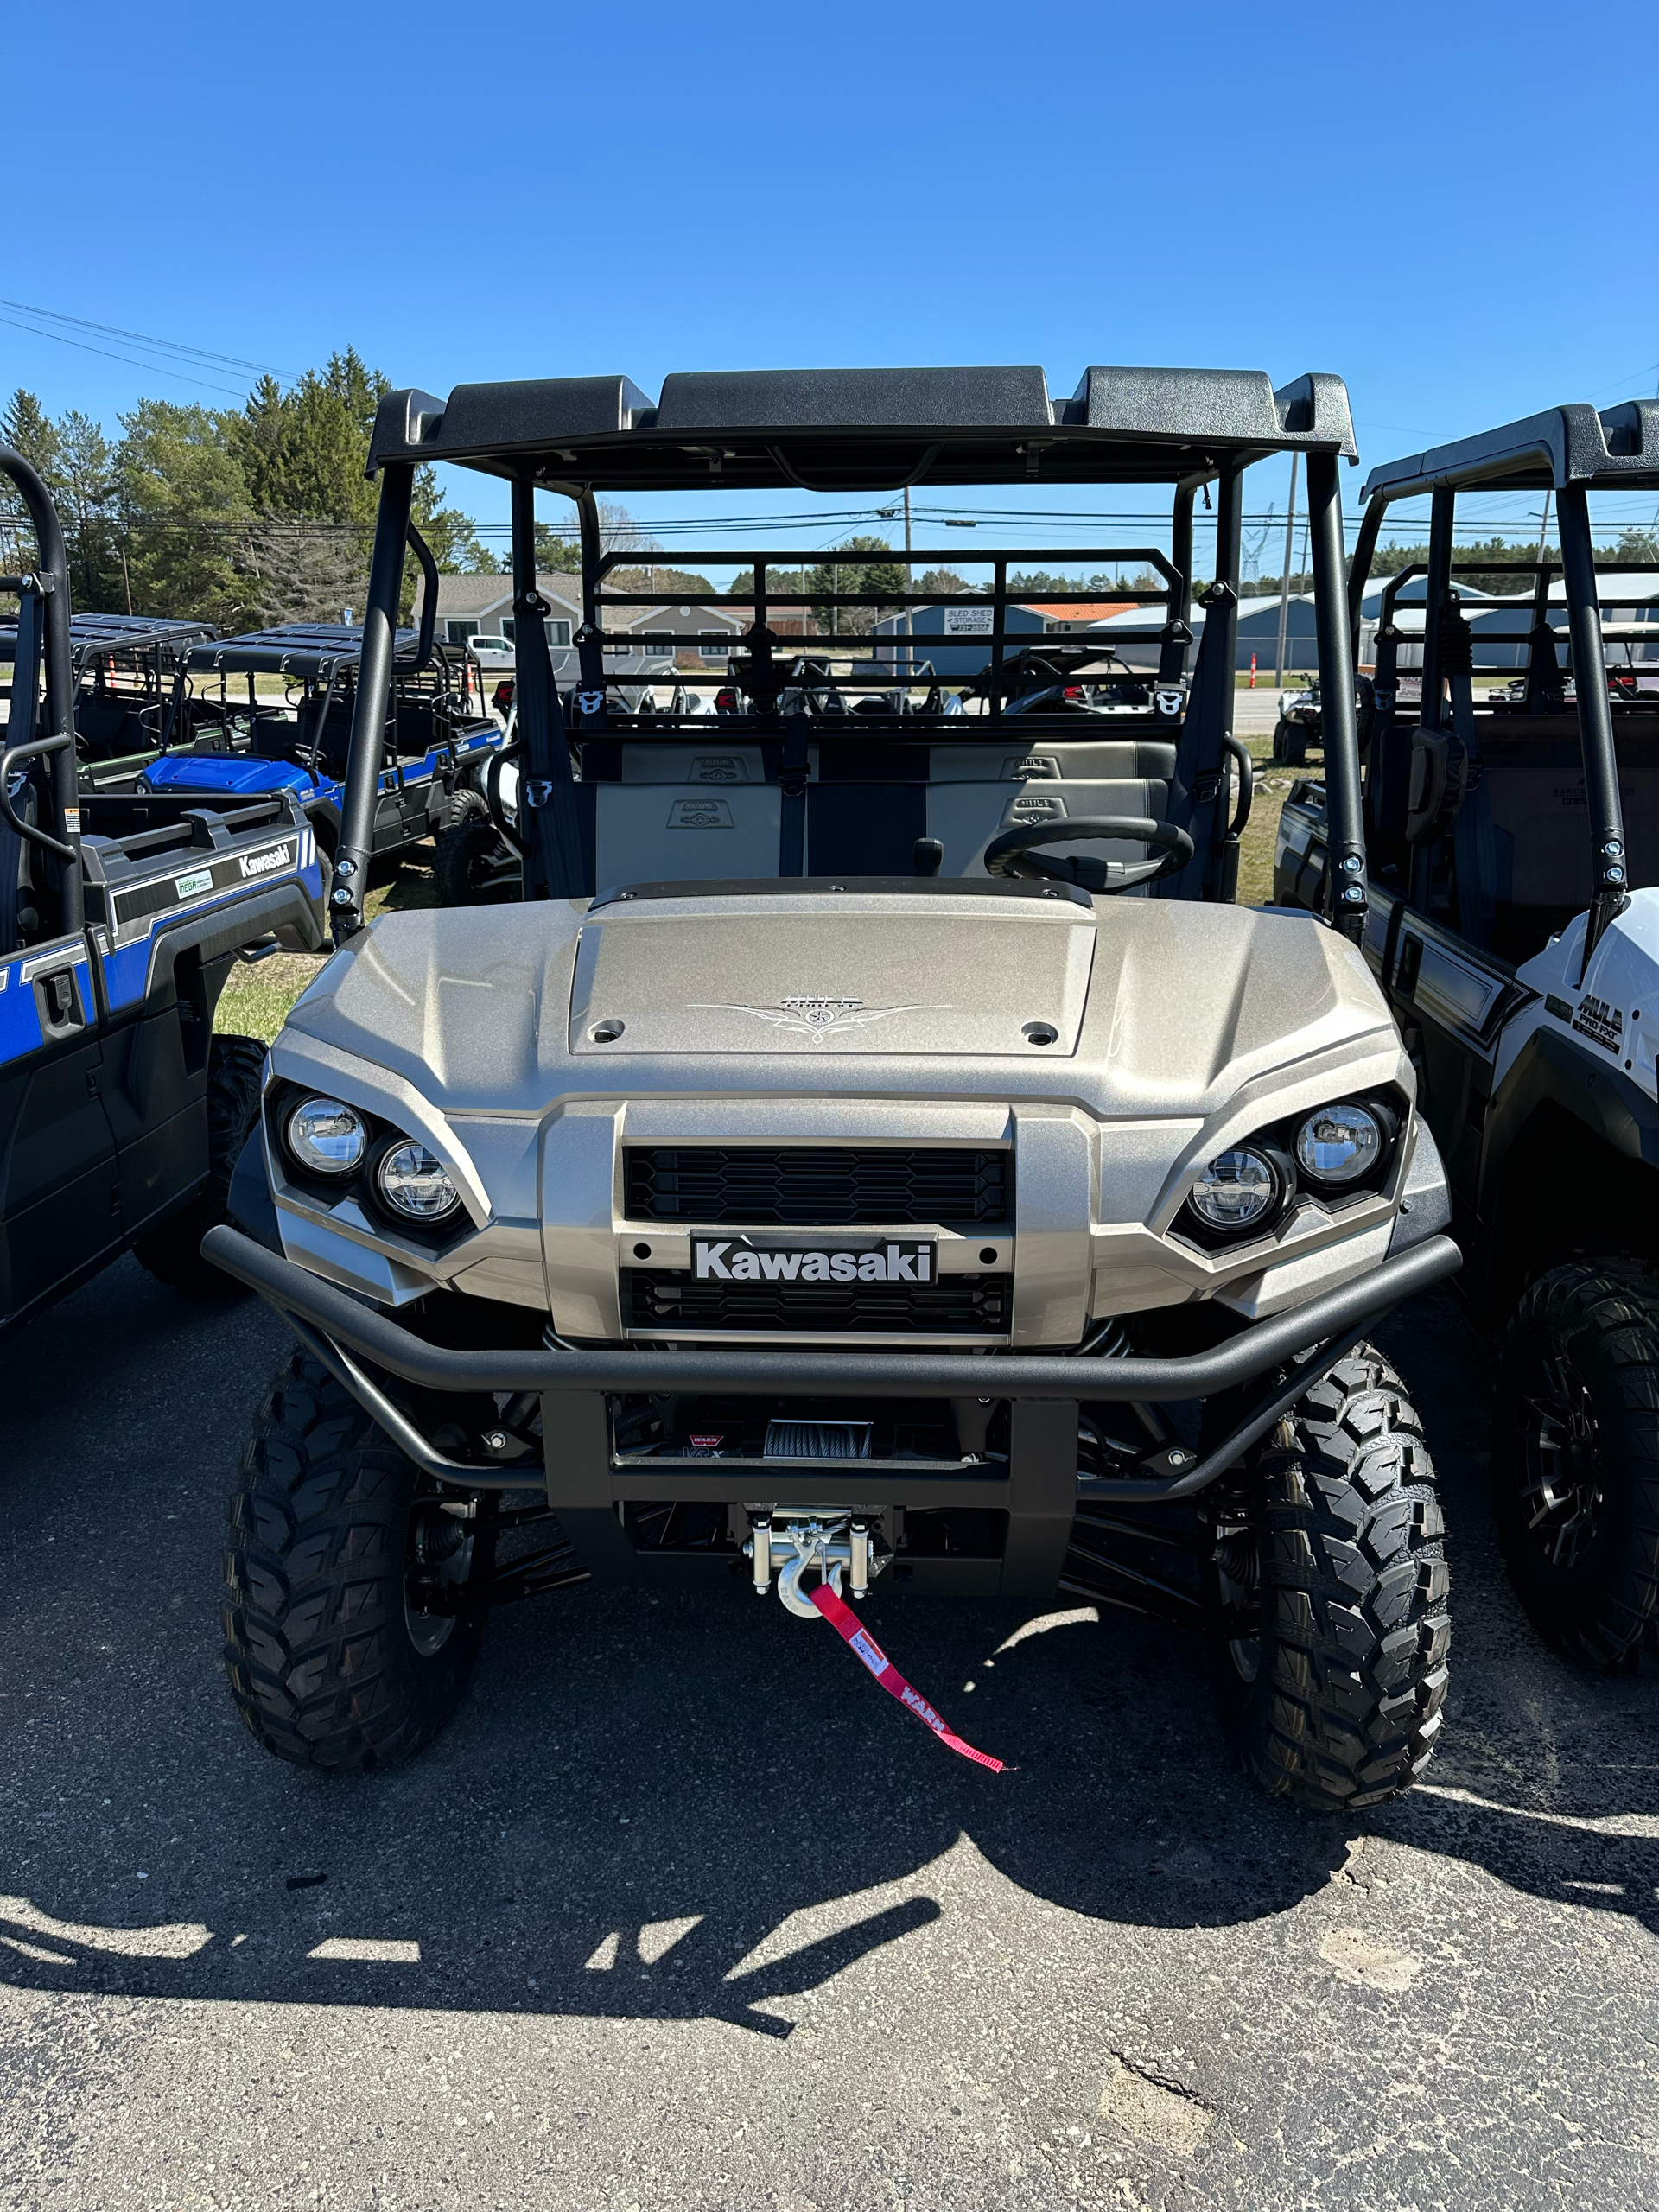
pixel 1337 1573
pixel 354 1607
pixel 1575 1462
pixel 173 1252
pixel 472 866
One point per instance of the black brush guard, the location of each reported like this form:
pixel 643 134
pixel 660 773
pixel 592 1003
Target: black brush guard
pixel 1039 1486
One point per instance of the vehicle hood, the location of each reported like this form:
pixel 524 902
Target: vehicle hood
pixel 1135 1005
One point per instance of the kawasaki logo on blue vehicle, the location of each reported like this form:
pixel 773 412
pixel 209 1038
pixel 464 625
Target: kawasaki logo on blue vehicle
pixel 726 1259
pixel 141 901
pixel 267 863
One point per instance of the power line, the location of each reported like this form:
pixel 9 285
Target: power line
pixel 155 368
pixel 141 337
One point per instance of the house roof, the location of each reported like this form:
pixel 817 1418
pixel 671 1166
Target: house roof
pixel 471 593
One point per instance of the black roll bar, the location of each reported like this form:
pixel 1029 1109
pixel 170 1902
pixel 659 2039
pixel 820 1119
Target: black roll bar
pixel 368 742
pixel 1345 874
pixel 423 553
pixel 551 839
pixel 1595 716
pixel 393 531
pixel 1604 807
pixel 51 586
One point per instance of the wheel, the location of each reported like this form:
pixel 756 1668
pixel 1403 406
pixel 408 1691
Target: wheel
pixel 472 867
pixel 1336 1571
pixel 353 1606
pixel 173 1252
pixel 1575 1462
pixel 1290 745
pixel 465 805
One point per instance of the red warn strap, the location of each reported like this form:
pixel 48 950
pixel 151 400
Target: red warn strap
pixel 852 1631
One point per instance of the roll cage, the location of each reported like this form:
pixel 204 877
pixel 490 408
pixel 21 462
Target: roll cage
pixel 1569 452
pixel 849 429
pixel 123 667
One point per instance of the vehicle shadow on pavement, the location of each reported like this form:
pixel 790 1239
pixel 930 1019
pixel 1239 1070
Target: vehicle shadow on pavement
pixel 679 1808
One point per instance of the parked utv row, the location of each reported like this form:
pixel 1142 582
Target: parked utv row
pixel 122 1114
pixel 155 829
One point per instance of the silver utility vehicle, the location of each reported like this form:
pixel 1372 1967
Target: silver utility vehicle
pixel 876 1154
pixel 1514 929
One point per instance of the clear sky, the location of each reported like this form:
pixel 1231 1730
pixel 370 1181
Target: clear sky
pixel 1451 205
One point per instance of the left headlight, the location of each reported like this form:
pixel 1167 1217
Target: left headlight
pixel 415 1182
pixel 1338 1144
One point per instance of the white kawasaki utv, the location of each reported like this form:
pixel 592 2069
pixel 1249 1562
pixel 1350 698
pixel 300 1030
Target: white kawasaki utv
pixel 876 1149
pixel 1514 836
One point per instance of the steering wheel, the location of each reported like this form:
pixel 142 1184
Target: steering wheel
pixel 1011 854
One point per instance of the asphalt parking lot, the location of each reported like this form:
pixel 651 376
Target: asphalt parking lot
pixel 682 1913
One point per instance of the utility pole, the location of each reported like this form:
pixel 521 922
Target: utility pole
pixel 1284 582
pixel 1543 527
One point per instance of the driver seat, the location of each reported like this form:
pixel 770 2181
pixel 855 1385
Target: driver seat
pixel 967 806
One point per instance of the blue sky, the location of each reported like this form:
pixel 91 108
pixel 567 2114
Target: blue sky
pixel 461 194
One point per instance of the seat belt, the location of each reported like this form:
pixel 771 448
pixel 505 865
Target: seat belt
pixel 1200 774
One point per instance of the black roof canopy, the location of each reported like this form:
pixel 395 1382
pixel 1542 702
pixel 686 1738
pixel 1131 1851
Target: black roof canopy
pixel 309 650
pixel 1616 450
pixel 865 430
pixel 89 634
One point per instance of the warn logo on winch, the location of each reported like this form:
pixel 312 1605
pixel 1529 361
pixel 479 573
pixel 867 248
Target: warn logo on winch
pixel 726 1259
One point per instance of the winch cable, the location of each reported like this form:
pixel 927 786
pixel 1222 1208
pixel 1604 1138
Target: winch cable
pixel 864 1647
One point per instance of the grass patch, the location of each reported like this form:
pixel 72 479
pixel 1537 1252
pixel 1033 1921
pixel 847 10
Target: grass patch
pixel 257 1000
pixel 1261 831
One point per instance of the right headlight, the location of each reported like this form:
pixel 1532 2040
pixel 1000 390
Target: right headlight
pixel 1338 1144
pixel 1236 1189
pixel 327 1137
pixel 415 1182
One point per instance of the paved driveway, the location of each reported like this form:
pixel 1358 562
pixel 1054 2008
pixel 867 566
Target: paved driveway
pixel 682 1913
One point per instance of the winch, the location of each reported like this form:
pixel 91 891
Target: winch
pixel 788 1540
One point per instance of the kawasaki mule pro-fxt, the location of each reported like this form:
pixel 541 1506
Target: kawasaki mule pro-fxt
pixel 876 1151
pixel 1515 840
pixel 122 1114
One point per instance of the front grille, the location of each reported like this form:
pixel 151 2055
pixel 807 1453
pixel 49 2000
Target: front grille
pixel 968 1306
pixel 817 1186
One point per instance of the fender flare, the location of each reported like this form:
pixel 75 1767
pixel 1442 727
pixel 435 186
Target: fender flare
pixel 1551 1070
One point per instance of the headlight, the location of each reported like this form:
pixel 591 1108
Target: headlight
pixel 1339 1143
pixel 327 1137
pixel 1236 1189
pixel 416 1182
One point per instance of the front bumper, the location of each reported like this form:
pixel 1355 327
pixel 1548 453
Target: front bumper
pixel 1037 1486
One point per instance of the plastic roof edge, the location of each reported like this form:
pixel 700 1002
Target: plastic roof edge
pixel 569 420
pixel 1617 447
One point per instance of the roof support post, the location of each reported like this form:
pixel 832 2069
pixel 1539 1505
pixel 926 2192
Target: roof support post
pixel 1437 597
pixel 548 825
pixel 1359 569
pixel 1595 715
pixel 1346 870
pixel 592 699
pixel 1178 609
pixel 1198 797
pixel 368 743
pixel 53 603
